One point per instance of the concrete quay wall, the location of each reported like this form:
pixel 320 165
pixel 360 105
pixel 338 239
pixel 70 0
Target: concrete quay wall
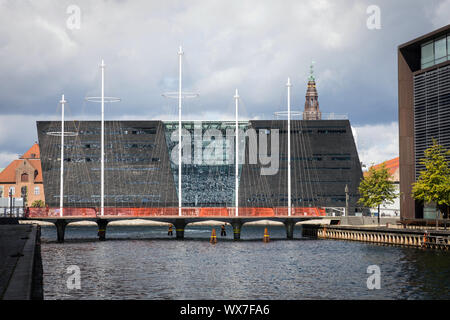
pixel 381 235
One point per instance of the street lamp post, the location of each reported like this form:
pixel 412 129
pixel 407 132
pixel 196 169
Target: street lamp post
pixel 180 95
pixel 379 215
pixel 61 183
pixel 63 133
pixel 102 156
pixel 10 202
pixel 289 85
pixel 346 200
pixel 102 100
pixel 180 200
pixel 236 174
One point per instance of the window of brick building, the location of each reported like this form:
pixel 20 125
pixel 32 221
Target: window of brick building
pixel 36 191
pixel 24 177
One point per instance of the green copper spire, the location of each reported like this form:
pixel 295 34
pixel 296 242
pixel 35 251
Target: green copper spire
pixel 311 72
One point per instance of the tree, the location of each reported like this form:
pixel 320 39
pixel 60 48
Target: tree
pixel 38 204
pixel 377 188
pixel 433 184
pixel 24 194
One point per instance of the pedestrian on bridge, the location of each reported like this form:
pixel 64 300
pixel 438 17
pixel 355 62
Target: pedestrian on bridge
pixel 223 232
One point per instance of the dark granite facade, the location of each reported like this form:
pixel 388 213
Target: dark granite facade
pixel 139 171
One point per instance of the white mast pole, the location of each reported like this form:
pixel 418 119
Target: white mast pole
pixel 102 161
pixel 180 54
pixel 289 143
pixel 236 97
pixel 61 184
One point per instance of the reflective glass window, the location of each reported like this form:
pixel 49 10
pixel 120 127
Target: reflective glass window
pixel 440 50
pixel 448 47
pixel 427 55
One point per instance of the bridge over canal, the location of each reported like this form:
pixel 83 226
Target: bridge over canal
pixel 179 222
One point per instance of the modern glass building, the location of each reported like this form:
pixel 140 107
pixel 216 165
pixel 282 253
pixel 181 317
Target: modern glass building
pixel 141 164
pixel 424 107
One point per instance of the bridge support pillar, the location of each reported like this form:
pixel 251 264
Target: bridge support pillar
pixel 237 225
pixel 60 229
pixel 289 229
pixel 102 223
pixel 179 228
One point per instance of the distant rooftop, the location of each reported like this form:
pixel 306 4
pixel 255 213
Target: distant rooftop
pixel 392 165
pixel 8 174
pixel 32 153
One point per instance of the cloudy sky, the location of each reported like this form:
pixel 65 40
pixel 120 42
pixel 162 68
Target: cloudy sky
pixel 250 45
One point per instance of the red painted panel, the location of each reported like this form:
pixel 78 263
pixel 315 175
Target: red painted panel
pixel 186 212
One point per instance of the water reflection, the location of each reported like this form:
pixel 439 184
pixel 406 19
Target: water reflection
pixel 142 263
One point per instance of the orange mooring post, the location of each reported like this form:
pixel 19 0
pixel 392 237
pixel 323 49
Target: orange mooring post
pixel 266 235
pixel 213 236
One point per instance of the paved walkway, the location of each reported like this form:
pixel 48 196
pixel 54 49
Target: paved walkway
pixel 17 254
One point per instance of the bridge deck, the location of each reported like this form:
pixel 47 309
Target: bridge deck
pixel 188 219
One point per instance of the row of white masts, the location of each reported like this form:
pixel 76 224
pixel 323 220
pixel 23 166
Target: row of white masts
pixel 180 95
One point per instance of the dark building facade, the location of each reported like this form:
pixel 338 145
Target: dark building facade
pixel 424 107
pixel 141 163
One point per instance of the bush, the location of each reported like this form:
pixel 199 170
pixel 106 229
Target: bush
pixel 38 204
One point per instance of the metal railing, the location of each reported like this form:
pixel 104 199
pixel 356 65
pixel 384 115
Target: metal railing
pixel 334 116
pixel 296 115
pixel 12 212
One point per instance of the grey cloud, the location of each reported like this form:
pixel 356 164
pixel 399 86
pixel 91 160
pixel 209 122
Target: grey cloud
pixel 250 45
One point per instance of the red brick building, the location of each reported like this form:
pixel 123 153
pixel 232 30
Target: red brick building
pixel 393 168
pixel 390 209
pixel 24 174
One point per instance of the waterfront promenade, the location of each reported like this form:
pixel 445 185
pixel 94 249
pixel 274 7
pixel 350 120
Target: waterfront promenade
pixel 20 262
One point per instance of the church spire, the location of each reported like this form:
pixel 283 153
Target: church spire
pixel 311 111
pixel 311 72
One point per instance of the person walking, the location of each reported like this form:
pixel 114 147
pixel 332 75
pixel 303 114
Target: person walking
pixel 223 232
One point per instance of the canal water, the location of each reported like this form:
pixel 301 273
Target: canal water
pixel 138 262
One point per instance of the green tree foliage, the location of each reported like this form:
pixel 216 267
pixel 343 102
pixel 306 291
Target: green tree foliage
pixel 377 188
pixel 433 184
pixel 38 204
